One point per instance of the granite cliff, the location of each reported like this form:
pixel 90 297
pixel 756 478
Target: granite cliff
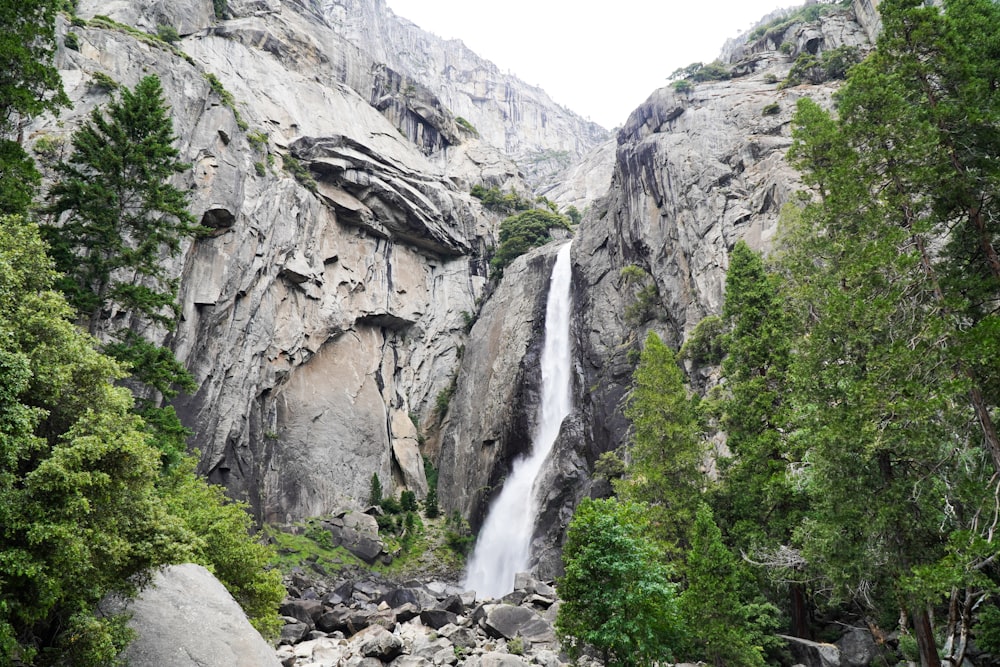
pixel 328 308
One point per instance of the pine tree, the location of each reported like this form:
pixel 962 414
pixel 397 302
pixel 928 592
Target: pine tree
pixel 375 490
pixel 119 216
pixel 665 448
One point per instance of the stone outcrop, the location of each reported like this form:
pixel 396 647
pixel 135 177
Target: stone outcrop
pixel 186 618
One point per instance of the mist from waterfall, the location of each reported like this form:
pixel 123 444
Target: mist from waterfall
pixel 504 545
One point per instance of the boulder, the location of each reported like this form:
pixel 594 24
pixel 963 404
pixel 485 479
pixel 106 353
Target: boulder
pixel 437 618
pixel 306 611
pixel 495 659
pixel 857 648
pixel 377 642
pixel 186 618
pixel 812 654
pixel 508 622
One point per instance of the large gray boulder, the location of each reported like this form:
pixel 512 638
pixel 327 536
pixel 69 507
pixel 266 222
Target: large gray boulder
pixel 187 618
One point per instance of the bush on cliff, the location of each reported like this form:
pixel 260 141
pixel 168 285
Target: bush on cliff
pixel 522 232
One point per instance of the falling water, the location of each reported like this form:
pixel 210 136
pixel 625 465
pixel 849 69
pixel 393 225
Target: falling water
pixel 503 547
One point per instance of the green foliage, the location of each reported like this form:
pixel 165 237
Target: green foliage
pixel 665 447
pixel 299 172
pixel 221 8
pixel 830 65
pixel 86 507
pixel 72 41
pixel 118 212
pixel 408 501
pixel 259 168
pixel 646 295
pixel 683 86
pixel 786 48
pixel 458 535
pixel 516 646
pixel 431 509
pixel 774 29
pixel 30 84
pixel 706 344
pixel 167 33
pixel 443 399
pixel 522 232
pixel 615 591
pixel 894 263
pixel 227 544
pixel 772 109
pixel 720 630
pixel 228 101
pixel 987 628
pixel 257 139
pixel 101 82
pixel 375 490
pixel 574 215
pixel 78 501
pixel 467 126
pixel 499 201
pixel 19 179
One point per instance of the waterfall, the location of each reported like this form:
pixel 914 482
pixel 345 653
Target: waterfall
pixel 504 545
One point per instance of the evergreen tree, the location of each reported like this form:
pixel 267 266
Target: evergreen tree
pixel 119 214
pixel 29 83
pixel 665 449
pixel 616 595
pixel 721 630
pixel 118 217
pixel 889 378
pixel 375 490
pixel 85 510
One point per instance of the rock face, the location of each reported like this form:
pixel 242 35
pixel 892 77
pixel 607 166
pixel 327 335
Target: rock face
pixel 188 619
pixel 694 173
pixel 327 309
pixel 542 137
pixel 491 415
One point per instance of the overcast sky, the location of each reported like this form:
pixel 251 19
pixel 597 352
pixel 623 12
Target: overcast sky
pixel 600 59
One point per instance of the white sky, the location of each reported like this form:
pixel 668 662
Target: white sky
pixel 600 59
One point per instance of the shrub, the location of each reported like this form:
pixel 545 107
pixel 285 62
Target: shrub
pixel 499 201
pixel 167 33
pixel 257 139
pixel 467 126
pixel 72 41
pixel 221 8
pixel 683 86
pixel 259 167
pixel 772 109
pixel 390 505
pixel 49 147
pixel 458 534
pixel 786 48
pixel 522 232
pixel 516 646
pixel 706 345
pixel 101 82
pixel 770 77
pixel 299 172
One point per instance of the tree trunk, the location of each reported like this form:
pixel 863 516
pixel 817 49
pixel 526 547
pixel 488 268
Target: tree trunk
pixel 924 634
pixel 800 613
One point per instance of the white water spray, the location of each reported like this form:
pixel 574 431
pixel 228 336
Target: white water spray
pixel 504 545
